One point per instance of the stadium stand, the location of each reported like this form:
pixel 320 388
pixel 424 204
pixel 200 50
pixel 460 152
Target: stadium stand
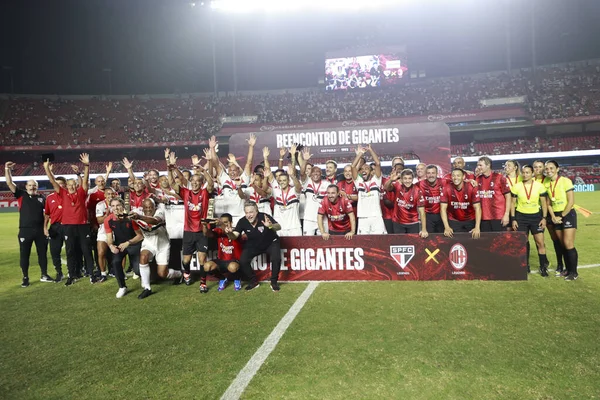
pixel 558 91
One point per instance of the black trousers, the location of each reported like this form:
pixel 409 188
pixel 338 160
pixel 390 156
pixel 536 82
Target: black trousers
pixel 250 251
pixel 28 236
pixel 57 238
pixel 78 242
pixel 134 259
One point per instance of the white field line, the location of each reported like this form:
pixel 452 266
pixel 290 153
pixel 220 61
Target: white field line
pixel 578 267
pixel 243 378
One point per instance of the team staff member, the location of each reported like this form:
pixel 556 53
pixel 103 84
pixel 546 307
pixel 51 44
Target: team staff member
pixel 494 193
pixel 261 233
pixel 228 254
pixel 31 225
pixel 53 215
pixel 528 216
pixel 123 236
pixel 563 218
pixel 459 206
pixel 75 220
pixel 339 212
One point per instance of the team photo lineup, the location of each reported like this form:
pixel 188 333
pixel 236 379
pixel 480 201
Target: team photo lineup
pixel 169 220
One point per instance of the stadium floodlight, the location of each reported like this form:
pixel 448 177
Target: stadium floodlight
pixel 241 6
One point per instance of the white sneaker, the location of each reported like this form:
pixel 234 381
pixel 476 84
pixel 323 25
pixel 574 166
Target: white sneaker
pixel 136 276
pixel 122 292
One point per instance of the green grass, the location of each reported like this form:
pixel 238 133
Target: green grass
pixel 536 339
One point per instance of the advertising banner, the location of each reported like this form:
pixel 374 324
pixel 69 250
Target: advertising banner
pixel 495 256
pixel 430 141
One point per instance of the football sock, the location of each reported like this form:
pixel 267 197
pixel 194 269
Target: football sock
pixel 558 249
pixel 145 275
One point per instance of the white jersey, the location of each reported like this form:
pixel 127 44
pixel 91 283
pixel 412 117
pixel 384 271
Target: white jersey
pixel 368 197
pixel 154 229
pixel 287 207
pixel 228 198
pixel 264 203
pixel 314 192
pixel 101 208
pixel 175 219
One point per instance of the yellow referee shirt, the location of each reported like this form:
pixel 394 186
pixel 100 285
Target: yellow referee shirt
pixel 528 196
pixel 513 181
pixel 557 192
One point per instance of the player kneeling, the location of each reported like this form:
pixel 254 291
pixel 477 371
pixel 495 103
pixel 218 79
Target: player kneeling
pixel 156 245
pixel 229 252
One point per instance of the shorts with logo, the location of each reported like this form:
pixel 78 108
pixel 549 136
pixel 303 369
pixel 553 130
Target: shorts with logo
pixel 529 222
pixel 462 226
pixel 159 246
pixel 194 242
pixel 569 221
pixel 371 226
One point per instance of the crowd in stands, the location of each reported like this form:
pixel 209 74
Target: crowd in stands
pixel 529 145
pixel 552 92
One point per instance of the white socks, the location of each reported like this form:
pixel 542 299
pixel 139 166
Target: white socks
pixel 145 275
pixel 173 274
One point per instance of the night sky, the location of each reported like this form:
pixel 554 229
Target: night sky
pixel 164 46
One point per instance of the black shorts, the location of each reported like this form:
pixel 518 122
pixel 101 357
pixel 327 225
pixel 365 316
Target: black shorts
pixel 407 228
pixel 434 223
pixel 223 264
pixel 569 221
pixel 462 226
pixel 491 225
pixel 529 222
pixel 194 242
pixel 338 233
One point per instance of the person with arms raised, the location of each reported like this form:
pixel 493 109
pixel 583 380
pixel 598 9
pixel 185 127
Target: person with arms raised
pixel 31 225
pixel 75 220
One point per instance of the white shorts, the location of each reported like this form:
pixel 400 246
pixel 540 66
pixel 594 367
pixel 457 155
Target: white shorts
pixel 310 227
pixel 371 226
pixel 159 246
pixel 290 232
pixel 101 236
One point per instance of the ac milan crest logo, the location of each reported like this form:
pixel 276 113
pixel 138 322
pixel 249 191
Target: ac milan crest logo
pixel 402 254
pixel 458 256
pixel 261 229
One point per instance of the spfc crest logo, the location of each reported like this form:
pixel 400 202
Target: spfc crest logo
pixel 402 254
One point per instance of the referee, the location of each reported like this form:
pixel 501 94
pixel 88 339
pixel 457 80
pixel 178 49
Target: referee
pixel 31 225
pixel 527 216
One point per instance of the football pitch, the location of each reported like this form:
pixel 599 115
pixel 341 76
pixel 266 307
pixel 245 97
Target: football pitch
pixel 535 339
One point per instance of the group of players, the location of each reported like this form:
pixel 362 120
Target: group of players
pixel 156 218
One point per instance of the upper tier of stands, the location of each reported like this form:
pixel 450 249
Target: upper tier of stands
pixel 553 92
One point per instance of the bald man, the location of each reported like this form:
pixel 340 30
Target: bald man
pixel 31 225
